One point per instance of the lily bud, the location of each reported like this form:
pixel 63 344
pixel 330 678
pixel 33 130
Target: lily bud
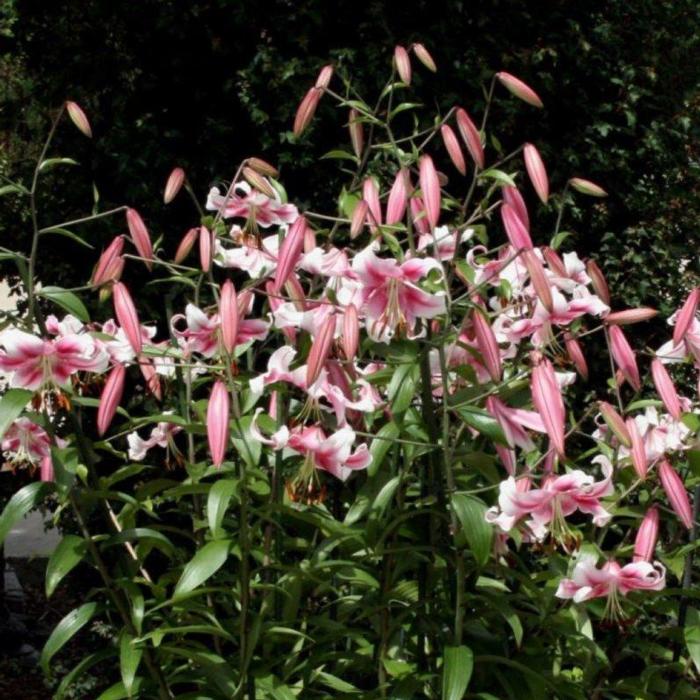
pixel 628 316
pixel 624 357
pixel 217 422
pixel 449 138
pixel 174 184
pixel 255 179
pixel 110 398
pixel 128 319
pixel 357 135
pixel 638 451
pixel 575 352
pixel 78 117
pixel 423 55
pixel 306 110
pixel 403 64
pixel 615 422
pixel 587 187
pixel 648 533
pixel 370 194
pixel 686 316
pixel 488 345
pixel 140 237
pixel 676 493
pixel 351 332
pixel 205 246
pixel 290 250
pixel 320 349
pixel 228 313
pixel 548 402
pixel 418 215
pixel 262 166
pixel 109 263
pixel 148 371
pixel 359 218
pixel 512 197
pixel 398 198
pixel 600 286
pixel 520 89
pixel 665 388
pixel 556 264
pixel 537 172
pixel 324 77
pixel 515 230
pixel 471 137
pixel 430 188
pixel 538 278
pixel 188 240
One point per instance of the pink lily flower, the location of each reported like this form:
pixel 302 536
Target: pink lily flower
pixel 217 422
pixel 256 257
pixel 28 444
pixel 442 243
pixel 513 422
pixel 36 363
pixel 161 436
pixel 390 298
pixel 610 581
pixel 246 203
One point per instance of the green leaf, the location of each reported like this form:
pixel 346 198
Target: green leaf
pixel 68 234
pixel 12 189
pixel 381 444
pixel 79 669
pixel 694 461
pixel 204 564
pixel 340 155
pixel 69 626
pixel 456 672
pixel 67 300
pixel 65 557
pixel 483 422
pixel 402 387
pixel 158 539
pixel 119 692
pixel 129 659
pixel 217 503
pixel 470 512
pixel 499 176
pixel 53 162
pixel 21 503
pixel 11 406
pixel 691 634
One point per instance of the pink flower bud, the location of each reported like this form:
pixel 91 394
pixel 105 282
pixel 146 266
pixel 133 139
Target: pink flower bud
pixel 515 230
pixel 188 240
pixel 357 135
pixel 306 110
pixel 290 251
pixel 140 237
pixel 46 472
pixel 538 278
pixel 648 533
pixel 398 198
pixel 370 194
pixel 423 55
pixel 262 166
pixel 176 179
pixel 324 77
pixel 537 172
pixel 665 388
pixel 78 117
pixel 256 180
pixel 676 493
pixel 518 88
pixel 418 215
pixel 624 357
pixel 110 398
pixel 228 313
pixel 403 64
pixel 686 316
pixel 320 349
pixel 556 264
pixel 600 286
pixel 351 332
pixel 548 402
pixel 470 136
pixel 623 318
pixel 575 352
pixel 487 344
pixel 430 189
pixel 615 422
pixel 359 218
pixel 449 138
pixel 512 197
pixel 217 422
pixel 110 264
pixel 127 317
pixel 638 451
pixel 587 187
pixel 205 248
pixel 148 371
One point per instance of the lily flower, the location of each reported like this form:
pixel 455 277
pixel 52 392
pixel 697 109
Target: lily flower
pixel 161 436
pixel 246 203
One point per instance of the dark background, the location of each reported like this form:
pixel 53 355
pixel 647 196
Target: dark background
pixel 204 84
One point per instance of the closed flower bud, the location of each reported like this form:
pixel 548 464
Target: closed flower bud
pixel 575 353
pixel 648 533
pixel 423 55
pixel 217 422
pixel 449 138
pixel 139 236
pixel 78 117
pixel 262 167
pixel 539 280
pixel 110 398
pixel 638 451
pixel 520 89
pixel 127 317
pixel 188 240
pixel 402 62
pixel 351 332
pixel 515 230
pixel 398 198
pixel 600 286
pixel 628 316
pixel 320 349
pixel 615 423
pixel 324 77
pixel 110 264
pixel 430 189
pixel 512 197
pixel 536 171
pixel 676 493
pixel 686 316
pixel 306 110
pixel 370 194
pixel 665 388
pixel 174 184
pixel 228 314
pixel 587 187
pixel 357 135
pixel 624 357
pixel 290 251
pixel 205 248
pixel 359 218
pixel 470 136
